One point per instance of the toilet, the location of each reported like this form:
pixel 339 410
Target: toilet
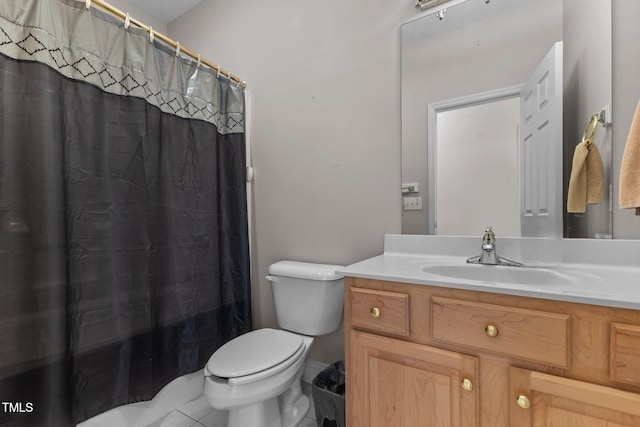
pixel 257 376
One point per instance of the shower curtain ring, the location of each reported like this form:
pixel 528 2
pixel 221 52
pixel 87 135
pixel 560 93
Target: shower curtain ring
pixel 87 4
pixel 218 76
pixel 151 34
pixel 127 21
pixel 177 49
pixel 199 61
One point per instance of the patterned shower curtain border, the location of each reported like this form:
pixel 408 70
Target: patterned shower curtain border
pixel 118 61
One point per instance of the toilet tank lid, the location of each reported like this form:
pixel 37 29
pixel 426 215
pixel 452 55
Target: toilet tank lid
pixel 305 270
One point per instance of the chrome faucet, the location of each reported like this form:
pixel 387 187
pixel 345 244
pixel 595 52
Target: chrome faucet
pixel 488 256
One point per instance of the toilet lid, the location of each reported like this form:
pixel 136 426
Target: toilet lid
pixel 253 352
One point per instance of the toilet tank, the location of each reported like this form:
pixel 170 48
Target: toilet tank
pixel 308 297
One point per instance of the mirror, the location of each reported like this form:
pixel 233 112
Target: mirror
pixel 475 47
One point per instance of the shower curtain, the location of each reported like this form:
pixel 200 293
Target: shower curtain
pixel 124 258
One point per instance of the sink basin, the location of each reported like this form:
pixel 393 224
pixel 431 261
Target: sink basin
pixel 500 274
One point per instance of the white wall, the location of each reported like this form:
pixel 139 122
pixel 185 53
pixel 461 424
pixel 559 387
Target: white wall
pixel 324 82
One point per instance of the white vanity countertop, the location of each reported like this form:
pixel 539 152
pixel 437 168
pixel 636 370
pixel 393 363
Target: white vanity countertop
pixel 599 272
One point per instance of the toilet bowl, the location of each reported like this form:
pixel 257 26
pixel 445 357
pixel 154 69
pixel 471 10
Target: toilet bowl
pixel 262 395
pixel 257 376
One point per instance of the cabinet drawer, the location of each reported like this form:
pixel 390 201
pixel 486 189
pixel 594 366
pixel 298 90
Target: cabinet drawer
pixel 531 335
pixel 380 311
pixel 625 353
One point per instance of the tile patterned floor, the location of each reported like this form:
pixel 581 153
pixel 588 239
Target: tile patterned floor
pixel 198 413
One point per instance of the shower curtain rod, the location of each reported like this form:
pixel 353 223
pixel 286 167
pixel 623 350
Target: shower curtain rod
pixel 127 18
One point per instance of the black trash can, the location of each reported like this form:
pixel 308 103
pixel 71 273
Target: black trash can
pixel 327 390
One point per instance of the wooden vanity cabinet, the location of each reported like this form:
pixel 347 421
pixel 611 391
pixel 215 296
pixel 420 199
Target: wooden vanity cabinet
pixel 434 357
pixel 408 384
pixel 550 400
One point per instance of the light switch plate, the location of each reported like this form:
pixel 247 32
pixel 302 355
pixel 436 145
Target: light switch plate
pixel 410 187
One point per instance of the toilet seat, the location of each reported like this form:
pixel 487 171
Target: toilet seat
pixel 255 352
pixel 274 370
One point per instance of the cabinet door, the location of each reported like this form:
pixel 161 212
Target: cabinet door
pixel 539 400
pixel 398 383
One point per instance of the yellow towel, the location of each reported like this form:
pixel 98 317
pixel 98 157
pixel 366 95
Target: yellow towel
pixel 586 184
pixel 629 195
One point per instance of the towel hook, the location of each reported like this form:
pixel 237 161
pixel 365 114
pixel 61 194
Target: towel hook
pixel 590 130
pixel 592 126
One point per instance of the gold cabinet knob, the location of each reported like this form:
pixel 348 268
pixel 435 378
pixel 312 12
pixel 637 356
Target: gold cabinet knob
pixel 375 312
pixel 467 384
pixel 491 331
pixel 523 402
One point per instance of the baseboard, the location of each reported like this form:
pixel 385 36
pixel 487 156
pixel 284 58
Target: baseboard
pixel 311 369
